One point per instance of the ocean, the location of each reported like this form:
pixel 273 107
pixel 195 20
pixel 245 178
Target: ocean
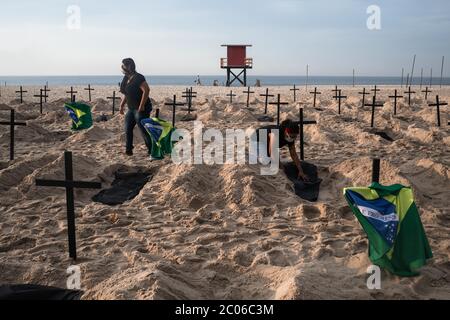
pixel 209 80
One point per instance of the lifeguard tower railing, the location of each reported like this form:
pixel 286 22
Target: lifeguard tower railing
pixel 248 64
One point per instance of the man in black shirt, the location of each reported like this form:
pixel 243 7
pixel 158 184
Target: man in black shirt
pixel 136 95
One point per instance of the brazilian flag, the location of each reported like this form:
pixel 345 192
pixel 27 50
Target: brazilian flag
pixel 389 216
pixel 81 115
pixel 160 132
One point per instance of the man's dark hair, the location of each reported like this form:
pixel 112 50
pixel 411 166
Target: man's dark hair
pixel 291 125
pixel 129 64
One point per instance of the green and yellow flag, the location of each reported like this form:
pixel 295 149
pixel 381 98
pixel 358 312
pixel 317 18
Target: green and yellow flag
pixel 160 132
pixel 389 216
pixel 81 115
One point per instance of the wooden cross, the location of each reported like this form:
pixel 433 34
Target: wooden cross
pixel 364 94
pixel 339 98
pixel 431 78
pixel 295 92
pixel 376 164
pixel 421 78
pixel 375 90
pixel 189 94
pixel 395 97
pixel 21 91
pixel 302 123
pixel 231 95
pixel 438 104
pixel 174 104
pixel 278 103
pixel 336 90
pixel 71 93
pixel 45 90
pixel 89 89
pixel 409 92
pixel 70 185
pixel 403 75
pixel 353 78
pixel 12 123
pixel 113 98
pixel 248 92
pixel 426 91
pixel 40 96
pixel 184 94
pixel 315 93
pixel 373 105
pixel 266 101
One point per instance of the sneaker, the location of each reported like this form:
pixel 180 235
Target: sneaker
pixel 129 153
pixel 151 158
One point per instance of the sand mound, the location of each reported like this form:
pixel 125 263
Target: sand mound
pixel 34 133
pixel 421 135
pixel 102 106
pixel 13 175
pixel 159 281
pixel 55 117
pixel 234 113
pixel 93 134
pixel 84 169
pixel 4 107
pixel 208 116
pixel 358 172
pixel 430 179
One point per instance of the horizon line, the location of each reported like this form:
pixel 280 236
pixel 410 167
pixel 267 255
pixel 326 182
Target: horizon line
pixel 216 75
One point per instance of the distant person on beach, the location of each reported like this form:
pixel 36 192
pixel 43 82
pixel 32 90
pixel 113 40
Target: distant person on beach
pixel 198 81
pixel 136 92
pixel 288 133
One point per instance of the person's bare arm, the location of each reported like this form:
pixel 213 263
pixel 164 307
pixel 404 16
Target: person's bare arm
pixel 271 144
pixel 122 105
pixel 294 156
pixel 146 92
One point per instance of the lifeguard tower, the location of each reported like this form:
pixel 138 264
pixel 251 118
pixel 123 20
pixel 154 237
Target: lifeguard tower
pixel 236 60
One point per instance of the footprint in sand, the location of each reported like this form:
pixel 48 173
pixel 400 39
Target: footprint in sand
pixel 20 244
pixel 278 258
pixel 345 212
pixel 196 203
pixel 243 257
pixel 337 247
pixel 311 212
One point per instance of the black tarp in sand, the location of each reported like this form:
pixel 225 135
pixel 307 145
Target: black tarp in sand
pixel 265 118
pixel 35 292
pixel 125 187
pixel 305 190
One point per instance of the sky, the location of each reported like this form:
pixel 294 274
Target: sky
pixel 184 37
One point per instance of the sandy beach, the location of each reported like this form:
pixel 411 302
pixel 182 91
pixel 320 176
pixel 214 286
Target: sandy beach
pixel 220 231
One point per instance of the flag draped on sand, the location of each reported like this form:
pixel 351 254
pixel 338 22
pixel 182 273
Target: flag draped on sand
pixel 389 216
pixel 81 115
pixel 160 132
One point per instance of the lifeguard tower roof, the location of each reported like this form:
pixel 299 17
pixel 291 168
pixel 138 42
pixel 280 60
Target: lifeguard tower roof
pixel 236 45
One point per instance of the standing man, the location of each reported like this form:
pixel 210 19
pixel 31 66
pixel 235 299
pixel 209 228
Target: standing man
pixel 136 92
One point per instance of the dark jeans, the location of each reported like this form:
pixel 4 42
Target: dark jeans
pixel 132 118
